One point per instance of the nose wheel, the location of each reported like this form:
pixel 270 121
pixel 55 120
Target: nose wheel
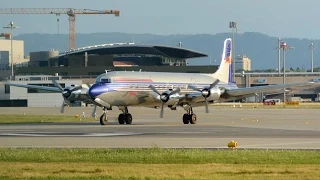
pixel 125 117
pixel 104 117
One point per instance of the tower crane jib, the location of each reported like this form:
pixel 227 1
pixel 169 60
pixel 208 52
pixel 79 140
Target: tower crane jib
pixel 71 12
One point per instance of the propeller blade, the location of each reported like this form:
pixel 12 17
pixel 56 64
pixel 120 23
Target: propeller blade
pixel 214 84
pixel 88 84
pixel 161 112
pixel 207 106
pixel 57 84
pixel 175 91
pixel 76 88
pixel 62 107
pixel 94 111
pixel 193 88
pixel 154 89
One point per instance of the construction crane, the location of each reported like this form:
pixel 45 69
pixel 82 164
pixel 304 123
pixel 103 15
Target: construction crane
pixel 57 11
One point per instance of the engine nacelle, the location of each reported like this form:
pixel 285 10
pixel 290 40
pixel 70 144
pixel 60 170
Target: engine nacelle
pixel 173 100
pixel 214 94
pixel 70 95
pixel 74 95
pixel 167 99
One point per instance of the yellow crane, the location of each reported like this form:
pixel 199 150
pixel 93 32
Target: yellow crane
pixel 57 11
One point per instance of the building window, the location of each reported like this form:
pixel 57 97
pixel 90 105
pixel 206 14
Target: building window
pixel 6 89
pixel 53 78
pixel 35 78
pixel 94 73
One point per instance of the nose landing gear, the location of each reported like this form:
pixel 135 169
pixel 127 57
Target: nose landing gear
pixel 104 117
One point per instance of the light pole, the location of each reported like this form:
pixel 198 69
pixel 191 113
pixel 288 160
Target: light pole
pixel 233 26
pixel 284 48
pixel 279 56
pixel 311 47
pixel 11 27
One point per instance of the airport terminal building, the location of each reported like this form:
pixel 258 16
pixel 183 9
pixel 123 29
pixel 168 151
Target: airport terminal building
pixel 94 60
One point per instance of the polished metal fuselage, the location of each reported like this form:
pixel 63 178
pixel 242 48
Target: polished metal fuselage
pixel 132 88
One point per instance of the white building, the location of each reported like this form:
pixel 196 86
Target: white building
pixel 243 63
pixel 5 52
pixel 33 97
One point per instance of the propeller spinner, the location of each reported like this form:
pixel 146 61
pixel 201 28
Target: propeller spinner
pixel 164 97
pixel 205 92
pixel 66 93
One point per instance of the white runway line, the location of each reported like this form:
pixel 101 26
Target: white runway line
pixel 68 135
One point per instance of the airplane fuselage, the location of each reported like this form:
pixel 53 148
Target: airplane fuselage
pixel 125 88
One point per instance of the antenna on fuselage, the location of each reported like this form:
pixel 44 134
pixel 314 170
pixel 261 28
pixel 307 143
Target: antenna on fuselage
pixel 107 70
pixel 140 70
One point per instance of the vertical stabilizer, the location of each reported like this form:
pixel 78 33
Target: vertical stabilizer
pixel 224 72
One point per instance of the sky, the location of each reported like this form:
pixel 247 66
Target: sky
pixel 277 18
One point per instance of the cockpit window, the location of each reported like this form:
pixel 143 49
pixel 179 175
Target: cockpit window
pixel 105 80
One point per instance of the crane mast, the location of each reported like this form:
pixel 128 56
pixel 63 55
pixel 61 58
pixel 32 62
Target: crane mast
pixel 57 11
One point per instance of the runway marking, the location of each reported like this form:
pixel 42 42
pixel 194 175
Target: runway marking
pixel 54 134
pixel 12 130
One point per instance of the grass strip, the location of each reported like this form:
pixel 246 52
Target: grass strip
pixel 157 163
pixel 159 156
pixel 13 170
pixel 20 118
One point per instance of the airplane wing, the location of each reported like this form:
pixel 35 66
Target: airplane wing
pixel 54 89
pixel 259 89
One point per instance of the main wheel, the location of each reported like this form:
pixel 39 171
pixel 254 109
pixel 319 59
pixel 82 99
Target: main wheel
pixel 121 118
pixel 193 119
pixel 104 119
pixel 185 119
pixel 128 118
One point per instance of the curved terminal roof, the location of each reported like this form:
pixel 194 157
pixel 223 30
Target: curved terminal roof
pixel 131 48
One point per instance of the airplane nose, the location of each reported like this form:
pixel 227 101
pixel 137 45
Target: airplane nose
pixel 94 91
pixel 97 89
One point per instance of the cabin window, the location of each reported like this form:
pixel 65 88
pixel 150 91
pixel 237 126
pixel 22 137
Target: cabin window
pixel 105 80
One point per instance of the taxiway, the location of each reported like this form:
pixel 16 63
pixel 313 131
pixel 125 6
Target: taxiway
pixel 251 128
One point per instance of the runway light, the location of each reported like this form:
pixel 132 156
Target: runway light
pixel 307 122
pixel 232 145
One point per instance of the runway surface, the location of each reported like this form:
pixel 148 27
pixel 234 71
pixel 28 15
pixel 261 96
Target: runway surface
pixel 251 128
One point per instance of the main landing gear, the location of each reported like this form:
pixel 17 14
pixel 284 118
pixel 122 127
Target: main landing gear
pixel 189 117
pixel 125 117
